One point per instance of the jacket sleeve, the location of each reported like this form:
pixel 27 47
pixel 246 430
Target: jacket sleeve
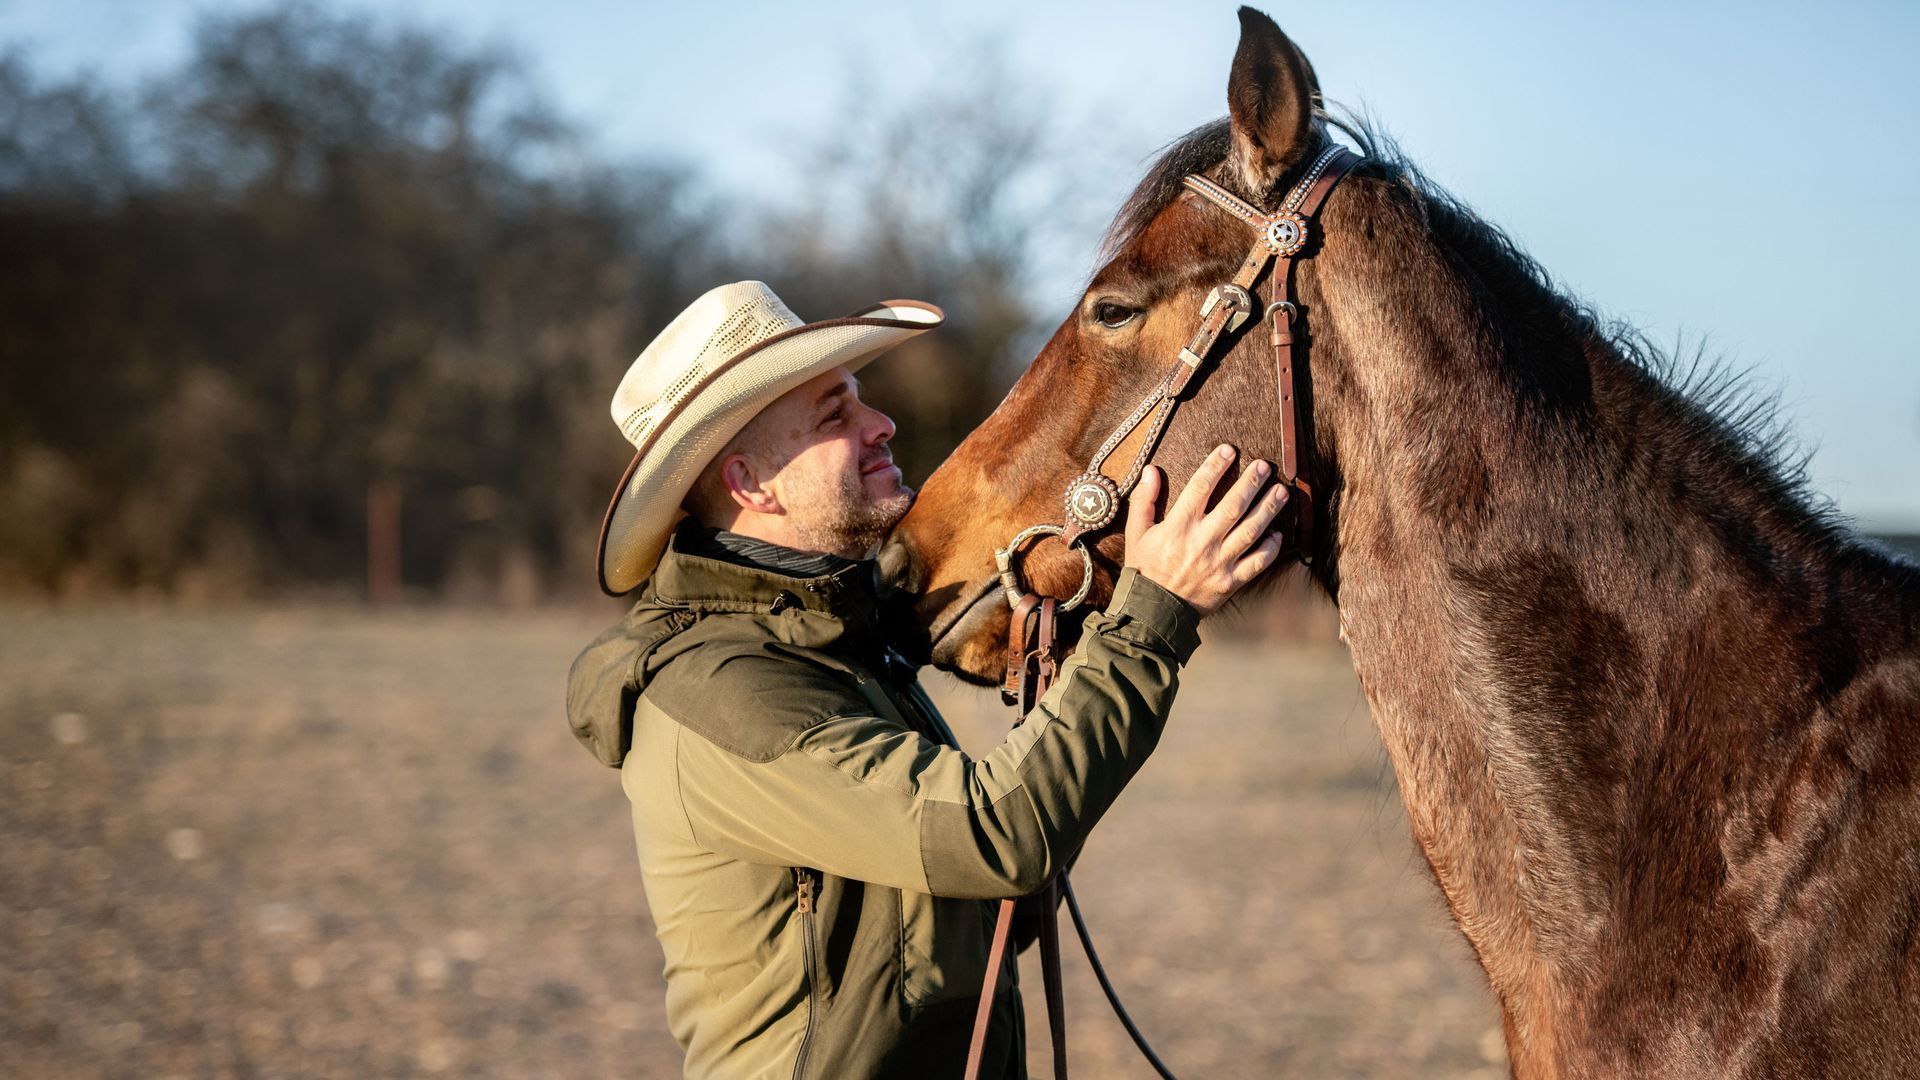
pixel 863 797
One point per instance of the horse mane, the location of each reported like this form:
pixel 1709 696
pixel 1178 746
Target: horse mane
pixel 1710 404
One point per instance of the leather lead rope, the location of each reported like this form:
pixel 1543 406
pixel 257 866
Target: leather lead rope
pixel 1032 665
pixel 1031 668
pixel 983 1016
pixel 1050 972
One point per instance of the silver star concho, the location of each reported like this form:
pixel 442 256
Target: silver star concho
pixel 1287 234
pixel 1092 501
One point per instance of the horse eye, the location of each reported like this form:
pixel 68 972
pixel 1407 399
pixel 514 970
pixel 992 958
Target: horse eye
pixel 1113 316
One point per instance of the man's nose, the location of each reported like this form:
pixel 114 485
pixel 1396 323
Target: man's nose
pixel 879 427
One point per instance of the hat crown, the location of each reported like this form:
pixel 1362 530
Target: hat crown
pixel 723 323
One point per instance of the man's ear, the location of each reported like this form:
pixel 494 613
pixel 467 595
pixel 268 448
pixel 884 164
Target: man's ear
pixel 1270 94
pixel 746 487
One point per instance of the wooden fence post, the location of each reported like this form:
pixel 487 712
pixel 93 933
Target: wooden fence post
pixel 383 542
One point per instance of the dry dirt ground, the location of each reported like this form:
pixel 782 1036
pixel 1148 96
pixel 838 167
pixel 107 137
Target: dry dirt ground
pixel 332 843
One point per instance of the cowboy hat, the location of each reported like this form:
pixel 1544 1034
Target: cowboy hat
pixel 714 367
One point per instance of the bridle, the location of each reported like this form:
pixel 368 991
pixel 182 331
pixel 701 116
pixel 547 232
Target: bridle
pixel 1093 498
pixel 1093 502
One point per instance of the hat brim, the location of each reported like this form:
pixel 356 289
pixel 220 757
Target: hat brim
pixel 646 505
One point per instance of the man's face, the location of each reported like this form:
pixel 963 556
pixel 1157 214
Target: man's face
pixel 833 472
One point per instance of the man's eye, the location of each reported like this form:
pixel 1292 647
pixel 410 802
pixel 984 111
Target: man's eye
pixel 833 416
pixel 1113 316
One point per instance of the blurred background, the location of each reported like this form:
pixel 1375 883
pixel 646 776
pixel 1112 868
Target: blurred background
pixel 309 317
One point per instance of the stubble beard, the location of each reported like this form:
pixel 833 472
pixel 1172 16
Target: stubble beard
pixel 841 519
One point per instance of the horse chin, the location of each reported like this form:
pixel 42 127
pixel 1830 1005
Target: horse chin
pixel 972 645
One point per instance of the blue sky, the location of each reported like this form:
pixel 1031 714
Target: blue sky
pixel 1745 173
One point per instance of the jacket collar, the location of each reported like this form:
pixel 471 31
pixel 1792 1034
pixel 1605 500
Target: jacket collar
pixel 813 611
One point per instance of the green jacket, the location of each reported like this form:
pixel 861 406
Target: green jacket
pixel 817 855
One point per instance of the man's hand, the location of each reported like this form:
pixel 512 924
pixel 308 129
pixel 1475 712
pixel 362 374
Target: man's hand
pixel 1205 556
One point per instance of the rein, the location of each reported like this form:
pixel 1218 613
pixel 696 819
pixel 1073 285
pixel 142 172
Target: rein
pixel 1093 502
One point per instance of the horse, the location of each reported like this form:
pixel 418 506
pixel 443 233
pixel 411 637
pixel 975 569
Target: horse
pixel 1653 710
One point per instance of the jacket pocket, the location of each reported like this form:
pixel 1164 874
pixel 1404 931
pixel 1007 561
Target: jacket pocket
pixel 943 947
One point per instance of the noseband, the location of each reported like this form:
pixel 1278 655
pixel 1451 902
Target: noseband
pixel 1093 498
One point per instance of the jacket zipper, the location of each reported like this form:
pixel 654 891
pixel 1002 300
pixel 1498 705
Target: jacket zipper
pixel 804 903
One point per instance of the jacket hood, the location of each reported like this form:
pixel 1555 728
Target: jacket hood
pixel 692 600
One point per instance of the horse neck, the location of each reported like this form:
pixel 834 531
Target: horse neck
pixel 1574 615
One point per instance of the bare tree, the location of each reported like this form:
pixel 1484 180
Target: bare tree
pixel 357 255
pixel 951 193
pixel 332 253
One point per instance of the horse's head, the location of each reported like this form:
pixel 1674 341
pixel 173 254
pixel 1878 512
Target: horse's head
pixel 1166 251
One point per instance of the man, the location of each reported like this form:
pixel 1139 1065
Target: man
pixel 817 854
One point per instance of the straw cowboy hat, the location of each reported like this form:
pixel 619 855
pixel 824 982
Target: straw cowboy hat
pixel 710 371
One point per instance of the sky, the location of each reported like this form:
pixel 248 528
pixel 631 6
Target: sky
pixel 1740 174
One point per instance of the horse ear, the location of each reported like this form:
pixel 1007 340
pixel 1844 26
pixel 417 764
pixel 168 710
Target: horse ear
pixel 1270 97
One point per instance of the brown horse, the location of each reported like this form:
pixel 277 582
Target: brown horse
pixel 1655 717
